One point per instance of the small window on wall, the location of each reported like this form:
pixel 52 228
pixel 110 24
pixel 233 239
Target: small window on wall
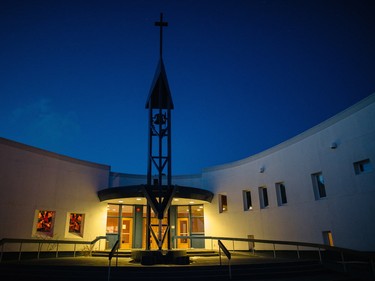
pixel 197 219
pixel 45 222
pixel 319 186
pixel 281 194
pixel 76 223
pixel 362 167
pixel 223 203
pixel 327 238
pixel 263 197
pixel 113 214
pixel 113 210
pixel 247 204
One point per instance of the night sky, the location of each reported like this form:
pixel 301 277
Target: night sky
pixel 244 75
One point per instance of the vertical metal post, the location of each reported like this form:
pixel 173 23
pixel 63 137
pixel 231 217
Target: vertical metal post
pixel 148 232
pixel 2 250
pixel 109 269
pixel 57 250
pixel 343 261
pixel 220 255
pixel 274 250
pixel 74 251
pixel 39 249
pixel 229 269
pixel 320 256
pixel 298 256
pixel 20 251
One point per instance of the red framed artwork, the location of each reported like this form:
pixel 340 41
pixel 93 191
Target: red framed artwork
pixel 76 223
pixel 45 222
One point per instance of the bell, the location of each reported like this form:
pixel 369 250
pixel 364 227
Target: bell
pixel 160 119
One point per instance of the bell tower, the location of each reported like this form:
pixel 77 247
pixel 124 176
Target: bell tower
pixel 159 190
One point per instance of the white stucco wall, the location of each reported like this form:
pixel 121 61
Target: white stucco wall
pixel 348 210
pixel 32 179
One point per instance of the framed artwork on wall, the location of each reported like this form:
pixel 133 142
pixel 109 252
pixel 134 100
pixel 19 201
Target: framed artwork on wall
pixel 76 222
pixel 45 222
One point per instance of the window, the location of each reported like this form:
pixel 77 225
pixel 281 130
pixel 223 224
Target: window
pixel 223 205
pixel 113 214
pixel 327 238
pixel 319 186
pixel 197 219
pixel 281 194
pixel 263 197
pixel 362 167
pixel 247 205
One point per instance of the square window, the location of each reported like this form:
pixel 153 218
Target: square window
pixel 223 205
pixel 281 194
pixel 247 205
pixel 319 186
pixel 362 167
pixel 263 197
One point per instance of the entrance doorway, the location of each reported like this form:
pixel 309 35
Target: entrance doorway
pixel 126 233
pixel 155 228
pixel 183 230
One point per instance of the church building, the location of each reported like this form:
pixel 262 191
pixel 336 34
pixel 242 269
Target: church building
pixel 317 187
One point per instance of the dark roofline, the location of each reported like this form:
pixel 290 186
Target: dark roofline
pixel 132 191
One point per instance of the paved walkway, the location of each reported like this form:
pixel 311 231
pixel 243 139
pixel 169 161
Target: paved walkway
pixel 237 258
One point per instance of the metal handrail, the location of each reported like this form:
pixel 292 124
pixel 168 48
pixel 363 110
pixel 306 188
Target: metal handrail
pixel 22 241
pixel 111 254
pixel 369 255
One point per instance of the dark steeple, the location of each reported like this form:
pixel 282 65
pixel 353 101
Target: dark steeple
pixel 159 193
pixel 160 87
pixel 160 95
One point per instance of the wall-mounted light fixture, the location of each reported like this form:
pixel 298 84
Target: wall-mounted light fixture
pixel 261 170
pixel 333 145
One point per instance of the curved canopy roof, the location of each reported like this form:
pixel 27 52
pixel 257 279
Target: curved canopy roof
pixel 136 191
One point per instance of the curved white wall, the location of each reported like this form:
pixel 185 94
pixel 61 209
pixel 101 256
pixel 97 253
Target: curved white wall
pixel 33 179
pixel 348 211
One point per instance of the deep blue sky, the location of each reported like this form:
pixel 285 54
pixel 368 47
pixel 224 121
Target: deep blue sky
pixel 244 75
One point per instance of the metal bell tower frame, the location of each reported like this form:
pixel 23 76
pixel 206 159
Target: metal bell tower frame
pixel 159 193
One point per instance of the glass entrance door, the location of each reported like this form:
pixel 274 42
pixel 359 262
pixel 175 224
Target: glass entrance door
pixel 183 230
pixel 126 233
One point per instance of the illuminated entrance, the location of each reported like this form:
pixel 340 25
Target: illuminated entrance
pixel 128 224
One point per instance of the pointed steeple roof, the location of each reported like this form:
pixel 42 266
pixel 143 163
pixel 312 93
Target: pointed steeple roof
pixel 160 87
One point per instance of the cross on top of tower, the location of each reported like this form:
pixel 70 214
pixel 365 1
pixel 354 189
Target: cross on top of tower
pixel 161 23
